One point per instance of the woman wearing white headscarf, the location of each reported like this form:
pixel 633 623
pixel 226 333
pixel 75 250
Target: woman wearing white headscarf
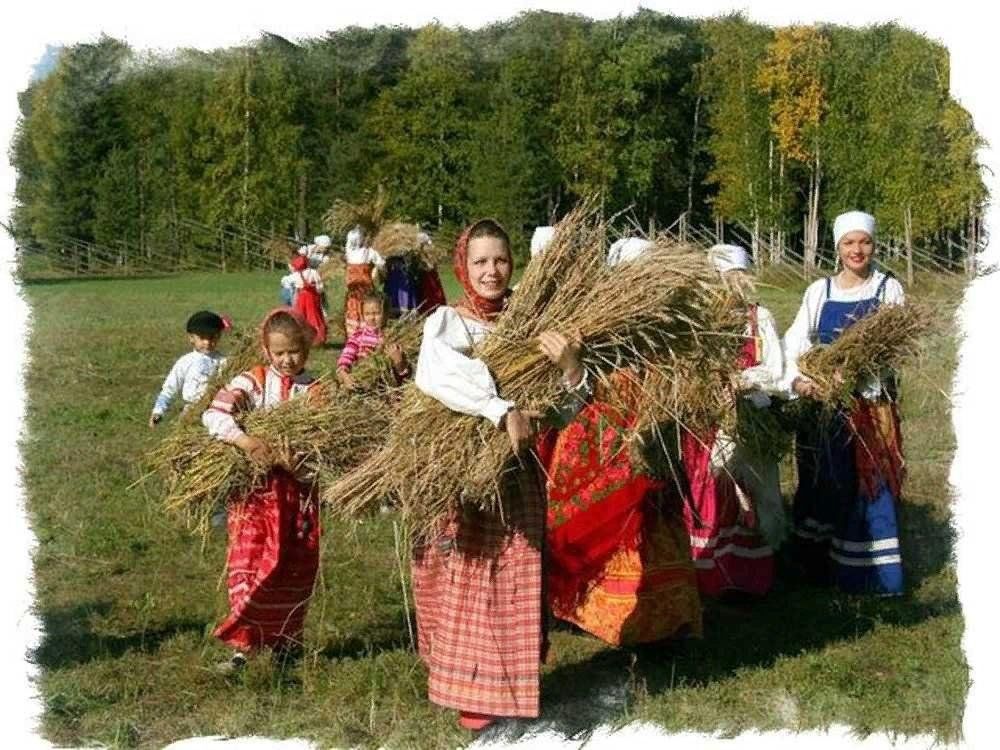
pixel 541 239
pixel 363 263
pixel 850 467
pixel 733 498
pixel 761 379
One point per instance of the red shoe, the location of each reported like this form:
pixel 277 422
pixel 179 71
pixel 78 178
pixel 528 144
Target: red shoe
pixel 474 722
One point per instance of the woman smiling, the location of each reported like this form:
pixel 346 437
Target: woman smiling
pixel 845 505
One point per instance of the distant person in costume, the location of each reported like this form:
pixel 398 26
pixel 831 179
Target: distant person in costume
pixel 850 467
pixel 363 264
pixel 308 286
pixel 190 374
pixel 411 281
pixel 273 554
pixel 318 252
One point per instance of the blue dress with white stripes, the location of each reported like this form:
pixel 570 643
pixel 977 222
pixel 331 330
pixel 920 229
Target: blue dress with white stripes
pixel 834 518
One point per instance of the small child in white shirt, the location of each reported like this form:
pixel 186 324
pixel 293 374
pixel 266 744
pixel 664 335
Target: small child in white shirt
pixel 191 373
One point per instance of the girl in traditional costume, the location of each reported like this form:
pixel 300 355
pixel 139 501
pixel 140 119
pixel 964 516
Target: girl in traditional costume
pixel 362 264
pixel 308 286
pixel 618 564
pixel 729 492
pixel 850 465
pixel 273 553
pixel 367 339
pixel 478 586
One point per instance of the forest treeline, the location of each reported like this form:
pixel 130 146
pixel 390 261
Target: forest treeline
pixel 722 120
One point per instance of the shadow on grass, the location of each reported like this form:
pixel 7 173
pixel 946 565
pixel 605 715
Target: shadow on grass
pixel 793 619
pixel 68 639
pixel 361 646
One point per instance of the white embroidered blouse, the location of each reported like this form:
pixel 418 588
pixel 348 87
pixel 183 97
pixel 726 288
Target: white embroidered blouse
pixel 361 255
pixel 447 371
pixel 803 333
pixel 246 393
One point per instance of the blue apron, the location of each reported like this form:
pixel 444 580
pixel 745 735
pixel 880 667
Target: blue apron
pixel 836 525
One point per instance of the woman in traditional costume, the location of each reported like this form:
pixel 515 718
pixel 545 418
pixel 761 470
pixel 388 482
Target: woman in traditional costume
pixel 762 378
pixel 478 586
pixel 362 264
pixel 618 564
pixel 273 553
pixel 729 493
pixel 850 464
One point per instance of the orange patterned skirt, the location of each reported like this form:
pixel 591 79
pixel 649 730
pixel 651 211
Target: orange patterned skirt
pixel 644 594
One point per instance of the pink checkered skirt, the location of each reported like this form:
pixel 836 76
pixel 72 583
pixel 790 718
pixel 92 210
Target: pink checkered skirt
pixel 478 594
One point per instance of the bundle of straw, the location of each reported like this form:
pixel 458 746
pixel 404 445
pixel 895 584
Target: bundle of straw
pixel 315 437
pixel 651 313
pixel 397 238
pixel 374 373
pixel 884 340
pixel 309 435
pixel 281 249
pixel 368 213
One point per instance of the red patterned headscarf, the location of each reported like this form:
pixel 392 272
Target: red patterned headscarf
pixel 485 309
pixel 308 332
pixel 299 263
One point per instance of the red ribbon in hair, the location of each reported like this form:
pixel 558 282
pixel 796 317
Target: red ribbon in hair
pixel 485 309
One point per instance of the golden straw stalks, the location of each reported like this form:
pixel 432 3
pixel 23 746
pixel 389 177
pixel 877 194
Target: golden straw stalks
pixel 652 313
pixel 884 340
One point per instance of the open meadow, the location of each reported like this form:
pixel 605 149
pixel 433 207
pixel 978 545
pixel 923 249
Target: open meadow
pixel 128 596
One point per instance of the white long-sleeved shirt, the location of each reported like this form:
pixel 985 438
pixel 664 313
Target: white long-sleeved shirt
pixel 767 378
pixel 298 279
pixel 361 255
pixel 447 372
pixel 803 333
pixel 245 392
pixel 188 377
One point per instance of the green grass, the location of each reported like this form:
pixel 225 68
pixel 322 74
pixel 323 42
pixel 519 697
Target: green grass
pixel 128 597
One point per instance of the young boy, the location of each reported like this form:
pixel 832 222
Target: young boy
pixel 190 373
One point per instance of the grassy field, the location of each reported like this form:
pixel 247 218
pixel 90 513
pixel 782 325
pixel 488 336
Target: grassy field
pixel 128 597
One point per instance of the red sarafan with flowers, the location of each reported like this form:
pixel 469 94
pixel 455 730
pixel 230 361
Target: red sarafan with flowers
pixel 618 564
pixel 594 499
